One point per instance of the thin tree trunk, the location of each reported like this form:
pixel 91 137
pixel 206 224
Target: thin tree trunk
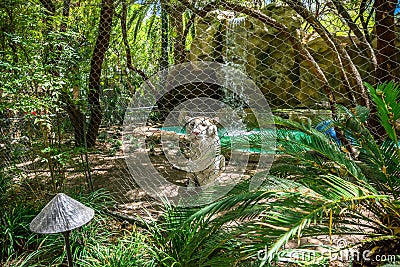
pixel 126 43
pixel 129 64
pixel 341 54
pixel 364 23
pixel 164 38
pixel 49 13
pixel 74 113
pixel 65 13
pixel 10 28
pixel 102 42
pixel 176 16
pixel 77 119
pixel 367 47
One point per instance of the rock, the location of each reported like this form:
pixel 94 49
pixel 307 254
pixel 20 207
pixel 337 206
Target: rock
pixel 255 48
pixel 268 58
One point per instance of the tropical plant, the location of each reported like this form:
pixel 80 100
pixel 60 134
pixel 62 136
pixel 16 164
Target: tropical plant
pixel 20 245
pixel 180 241
pixel 14 230
pixel 316 189
pixel 130 249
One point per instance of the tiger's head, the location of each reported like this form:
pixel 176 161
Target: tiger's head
pixel 201 127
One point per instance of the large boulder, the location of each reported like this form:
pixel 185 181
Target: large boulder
pixel 262 52
pixel 267 57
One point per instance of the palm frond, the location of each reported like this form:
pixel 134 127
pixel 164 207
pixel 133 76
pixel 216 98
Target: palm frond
pixel 315 141
pixel 386 97
pixel 296 215
pixel 381 162
pixel 316 189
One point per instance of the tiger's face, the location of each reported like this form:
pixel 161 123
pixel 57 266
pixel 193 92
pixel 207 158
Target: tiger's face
pixel 201 127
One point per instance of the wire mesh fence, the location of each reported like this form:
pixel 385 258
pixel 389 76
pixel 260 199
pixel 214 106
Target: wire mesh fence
pixel 65 100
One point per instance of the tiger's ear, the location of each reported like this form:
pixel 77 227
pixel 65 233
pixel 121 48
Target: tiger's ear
pixel 188 118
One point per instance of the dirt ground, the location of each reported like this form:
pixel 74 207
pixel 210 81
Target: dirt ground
pixel 110 171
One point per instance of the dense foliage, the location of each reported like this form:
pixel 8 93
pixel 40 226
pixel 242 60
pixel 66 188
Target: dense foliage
pixel 69 67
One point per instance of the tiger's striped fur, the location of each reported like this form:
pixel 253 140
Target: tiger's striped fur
pixel 204 151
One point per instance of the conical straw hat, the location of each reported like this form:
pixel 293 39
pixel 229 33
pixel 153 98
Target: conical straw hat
pixel 61 214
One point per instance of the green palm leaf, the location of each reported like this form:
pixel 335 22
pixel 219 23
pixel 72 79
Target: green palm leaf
pixel 386 97
pixel 319 143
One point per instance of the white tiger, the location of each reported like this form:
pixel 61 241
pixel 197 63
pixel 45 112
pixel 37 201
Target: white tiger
pixel 204 150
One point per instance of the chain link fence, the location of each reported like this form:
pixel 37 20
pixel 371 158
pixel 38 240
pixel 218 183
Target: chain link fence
pixel 66 127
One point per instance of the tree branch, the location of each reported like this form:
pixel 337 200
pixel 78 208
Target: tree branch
pixel 341 54
pixel 128 49
pixel 361 11
pixel 304 53
pixel 49 6
pixel 102 42
pixel 360 36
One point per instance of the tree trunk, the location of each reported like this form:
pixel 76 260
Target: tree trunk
pixel 164 38
pixel 176 17
pixel 102 42
pixel 129 64
pixel 49 13
pixel 366 47
pixel 387 54
pixel 343 58
pixel 77 120
pixel 65 13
